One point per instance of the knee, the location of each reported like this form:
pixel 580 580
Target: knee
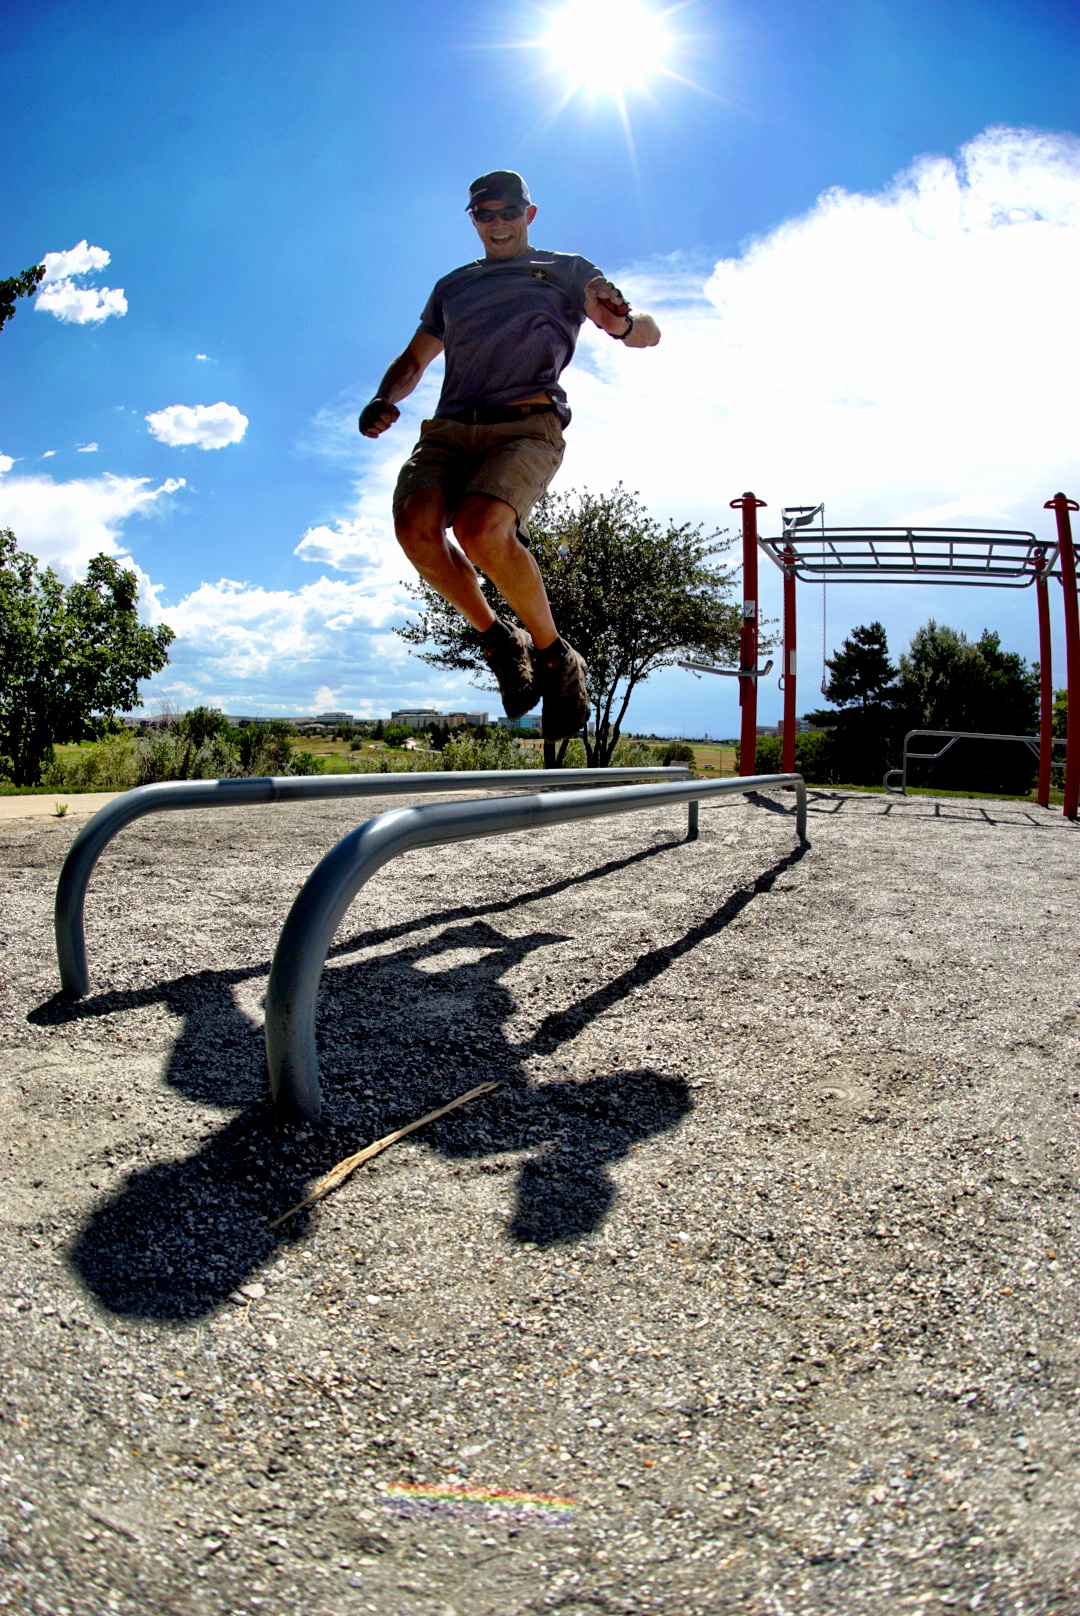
pixel 418 530
pixel 484 536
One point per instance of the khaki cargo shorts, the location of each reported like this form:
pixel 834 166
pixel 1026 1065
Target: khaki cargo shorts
pixel 512 460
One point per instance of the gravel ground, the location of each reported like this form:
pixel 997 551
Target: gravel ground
pixel 759 1264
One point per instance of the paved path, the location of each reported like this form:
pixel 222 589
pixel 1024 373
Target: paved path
pixel 39 807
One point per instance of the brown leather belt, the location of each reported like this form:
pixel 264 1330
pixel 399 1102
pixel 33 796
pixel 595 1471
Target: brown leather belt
pixel 496 414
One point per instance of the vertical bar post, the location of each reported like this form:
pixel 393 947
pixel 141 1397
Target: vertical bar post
pixel 1046 684
pixel 1061 506
pixel 748 640
pixel 787 763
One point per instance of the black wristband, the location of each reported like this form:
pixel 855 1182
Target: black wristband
pixel 621 336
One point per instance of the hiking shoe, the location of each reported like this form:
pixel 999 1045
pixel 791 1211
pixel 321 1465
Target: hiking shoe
pixel 508 652
pixel 560 676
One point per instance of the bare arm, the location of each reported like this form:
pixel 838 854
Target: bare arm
pixel 400 380
pixel 642 332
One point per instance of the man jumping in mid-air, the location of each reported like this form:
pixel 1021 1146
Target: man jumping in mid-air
pixel 508 323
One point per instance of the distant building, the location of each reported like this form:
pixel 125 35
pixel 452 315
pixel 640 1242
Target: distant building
pixel 767 729
pixel 527 725
pixel 802 727
pixel 333 718
pixel 416 717
pixel 424 717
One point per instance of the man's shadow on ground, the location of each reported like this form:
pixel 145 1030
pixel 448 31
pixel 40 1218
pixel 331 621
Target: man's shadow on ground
pixel 178 1238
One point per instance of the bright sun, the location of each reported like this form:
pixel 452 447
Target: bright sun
pixel 606 47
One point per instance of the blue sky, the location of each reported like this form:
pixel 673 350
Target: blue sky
pixel 859 231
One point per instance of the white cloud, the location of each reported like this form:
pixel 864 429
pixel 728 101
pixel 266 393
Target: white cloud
pixel 66 523
pixel 48 454
pixel 6 463
pixel 360 545
pixel 898 353
pixel 78 305
pixel 86 448
pixel 80 260
pixel 205 426
pixel 330 643
pixel 203 356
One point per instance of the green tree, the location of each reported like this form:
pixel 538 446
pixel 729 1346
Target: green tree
pixel 70 658
pixel 203 724
pixel 17 286
pixel 862 683
pixel 1061 713
pixel 861 673
pixel 633 596
pixel 950 682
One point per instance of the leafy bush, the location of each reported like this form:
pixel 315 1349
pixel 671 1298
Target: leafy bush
pixel 392 763
pixel 813 757
pixel 264 749
pixel 396 734
pixel 631 754
pixel 498 750
pixel 170 754
pixel 302 763
pixel 110 765
pixel 672 752
pixel 204 724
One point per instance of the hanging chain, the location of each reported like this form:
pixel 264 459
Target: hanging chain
pixel 824 603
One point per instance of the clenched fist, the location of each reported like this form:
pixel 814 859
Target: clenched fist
pixel 606 306
pixel 377 416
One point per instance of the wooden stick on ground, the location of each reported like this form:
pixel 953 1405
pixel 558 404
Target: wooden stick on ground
pixel 337 1175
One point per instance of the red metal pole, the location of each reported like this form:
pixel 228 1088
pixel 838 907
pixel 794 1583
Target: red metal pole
pixel 1046 685
pixel 748 641
pixel 1061 508
pixel 787 762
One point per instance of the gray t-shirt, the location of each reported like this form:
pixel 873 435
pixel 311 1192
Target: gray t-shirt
pixel 508 326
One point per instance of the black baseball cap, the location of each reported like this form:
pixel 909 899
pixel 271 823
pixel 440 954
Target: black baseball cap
pixel 502 183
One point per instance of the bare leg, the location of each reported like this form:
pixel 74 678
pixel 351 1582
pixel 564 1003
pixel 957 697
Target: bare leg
pixel 420 522
pixel 486 529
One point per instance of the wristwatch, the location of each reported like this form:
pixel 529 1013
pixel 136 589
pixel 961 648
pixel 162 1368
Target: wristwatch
pixel 621 336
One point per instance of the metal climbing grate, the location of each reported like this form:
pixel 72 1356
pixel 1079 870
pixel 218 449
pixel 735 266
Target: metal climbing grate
pixel 950 555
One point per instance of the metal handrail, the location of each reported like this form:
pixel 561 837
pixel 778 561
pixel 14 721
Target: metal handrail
pixel 293 989
pixel 954 735
pixel 171 795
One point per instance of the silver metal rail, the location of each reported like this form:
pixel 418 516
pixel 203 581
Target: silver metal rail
pixel 293 988
pixel 753 674
pixel 950 736
pixel 98 832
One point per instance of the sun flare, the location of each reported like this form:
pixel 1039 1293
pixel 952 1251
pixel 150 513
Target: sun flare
pixel 607 47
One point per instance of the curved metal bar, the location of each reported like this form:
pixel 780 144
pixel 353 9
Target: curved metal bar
pixel 99 831
pixel 954 735
pixel 293 988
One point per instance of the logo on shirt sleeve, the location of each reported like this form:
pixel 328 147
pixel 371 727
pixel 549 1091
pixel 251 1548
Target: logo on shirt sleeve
pixel 538 273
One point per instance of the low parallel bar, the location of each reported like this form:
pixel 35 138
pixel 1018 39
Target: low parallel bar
pixel 173 795
pixel 321 904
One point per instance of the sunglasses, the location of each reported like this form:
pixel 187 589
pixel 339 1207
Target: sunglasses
pixel 489 215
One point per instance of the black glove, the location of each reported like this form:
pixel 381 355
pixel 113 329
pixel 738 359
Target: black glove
pixel 372 413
